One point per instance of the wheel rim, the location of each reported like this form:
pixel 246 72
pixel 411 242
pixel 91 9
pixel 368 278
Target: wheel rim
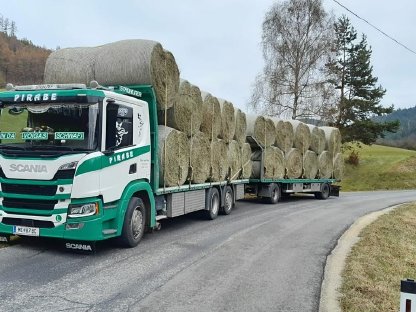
pixel 275 195
pixel 137 222
pixel 228 202
pixel 215 204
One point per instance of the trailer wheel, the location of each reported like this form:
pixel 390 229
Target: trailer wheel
pixel 134 223
pixel 212 203
pixel 228 200
pixel 274 194
pixel 324 193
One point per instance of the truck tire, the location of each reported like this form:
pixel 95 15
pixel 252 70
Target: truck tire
pixel 324 193
pixel 274 194
pixel 212 203
pixel 228 200
pixel 134 223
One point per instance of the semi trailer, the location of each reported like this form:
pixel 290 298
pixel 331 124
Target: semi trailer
pixel 81 164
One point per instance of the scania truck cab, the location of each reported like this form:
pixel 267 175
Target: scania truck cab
pixel 75 163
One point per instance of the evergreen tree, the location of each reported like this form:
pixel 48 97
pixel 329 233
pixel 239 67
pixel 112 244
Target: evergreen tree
pixel 360 96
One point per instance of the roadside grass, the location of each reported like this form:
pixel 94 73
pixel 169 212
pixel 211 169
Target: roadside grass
pixel 384 255
pixel 380 168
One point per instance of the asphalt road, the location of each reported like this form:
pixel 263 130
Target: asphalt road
pixel 259 258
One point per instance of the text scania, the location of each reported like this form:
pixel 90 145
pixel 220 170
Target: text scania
pixel 78 246
pixel 28 168
pixel 35 97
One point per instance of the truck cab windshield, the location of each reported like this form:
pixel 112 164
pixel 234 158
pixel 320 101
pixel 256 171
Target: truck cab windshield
pixel 57 126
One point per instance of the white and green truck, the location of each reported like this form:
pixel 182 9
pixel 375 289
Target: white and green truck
pixel 81 164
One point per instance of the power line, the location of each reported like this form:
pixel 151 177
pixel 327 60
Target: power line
pixel 375 27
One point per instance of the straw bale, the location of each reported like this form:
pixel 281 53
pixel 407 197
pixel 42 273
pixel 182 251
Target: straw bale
pixel 294 164
pixel 333 140
pixel 126 62
pixel 227 120
pixel 273 164
pixel 262 129
pixel 284 135
pixel 302 136
pixel 219 163
pixel 173 170
pixel 318 140
pixel 186 114
pixel 240 126
pixel 325 165
pixel 310 165
pixel 199 158
pixel 246 163
pixel 211 115
pixel 338 166
pixel 234 160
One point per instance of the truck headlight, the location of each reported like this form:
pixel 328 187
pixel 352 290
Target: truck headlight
pixel 69 166
pixel 82 210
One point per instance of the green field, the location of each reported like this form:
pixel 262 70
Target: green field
pixel 381 168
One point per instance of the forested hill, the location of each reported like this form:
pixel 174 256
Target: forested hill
pixel 21 62
pixel 406 136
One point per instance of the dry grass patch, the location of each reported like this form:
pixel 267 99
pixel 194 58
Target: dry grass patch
pixel 384 255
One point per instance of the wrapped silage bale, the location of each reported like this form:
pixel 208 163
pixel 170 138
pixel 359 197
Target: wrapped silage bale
pixel 333 140
pixel 302 136
pixel 338 166
pixel 262 129
pixel 200 157
pixel 246 163
pixel 294 163
pixel 273 163
pixel 240 126
pixel 310 165
pixel 318 141
pixel 173 156
pixel 126 62
pixel 325 165
pixel 284 135
pixel 218 161
pixel 234 160
pixel 211 116
pixel 186 114
pixel 227 120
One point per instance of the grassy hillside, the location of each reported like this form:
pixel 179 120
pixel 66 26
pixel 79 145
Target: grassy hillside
pixel 381 168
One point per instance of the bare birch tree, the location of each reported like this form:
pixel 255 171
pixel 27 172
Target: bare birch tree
pixel 296 40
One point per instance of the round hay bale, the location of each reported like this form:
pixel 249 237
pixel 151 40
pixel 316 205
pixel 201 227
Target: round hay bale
pixel 294 164
pixel 325 165
pixel 333 140
pixel 219 162
pixel 240 126
pixel 273 164
pixel 199 160
pixel 126 62
pixel 338 166
pixel 246 163
pixel 173 157
pixel 302 136
pixel 284 135
pixel 227 120
pixel 211 116
pixel 234 160
pixel 186 114
pixel 310 165
pixel 262 129
pixel 318 140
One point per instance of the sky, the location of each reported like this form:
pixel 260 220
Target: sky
pixel 216 43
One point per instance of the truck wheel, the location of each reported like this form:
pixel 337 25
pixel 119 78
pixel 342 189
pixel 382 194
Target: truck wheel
pixel 324 193
pixel 274 194
pixel 212 203
pixel 228 200
pixel 134 223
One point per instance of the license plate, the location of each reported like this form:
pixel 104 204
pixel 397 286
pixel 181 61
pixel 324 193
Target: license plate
pixel 25 230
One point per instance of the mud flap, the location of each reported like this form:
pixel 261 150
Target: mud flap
pixel 334 190
pixel 81 247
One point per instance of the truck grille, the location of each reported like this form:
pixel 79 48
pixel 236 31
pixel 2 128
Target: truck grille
pixel 29 203
pixel 28 189
pixel 27 222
